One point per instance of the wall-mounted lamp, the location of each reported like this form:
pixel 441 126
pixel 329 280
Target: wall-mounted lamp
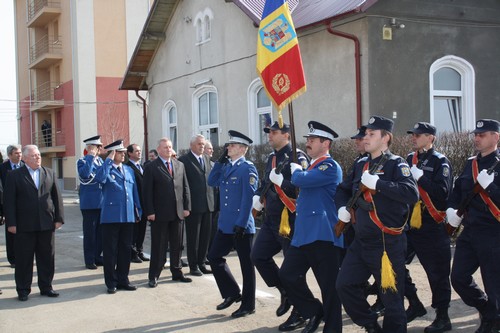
pixel 187 19
pixel 396 24
pixel 387 28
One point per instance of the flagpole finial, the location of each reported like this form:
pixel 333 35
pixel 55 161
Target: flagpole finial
pixel 280 119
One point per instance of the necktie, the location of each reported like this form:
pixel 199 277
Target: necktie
pixel 139 167
pixel 120 169
pixel 15 166
pixel 169 168
pixel 201 163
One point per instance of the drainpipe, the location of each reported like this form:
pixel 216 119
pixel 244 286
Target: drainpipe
pixel 357 58
pixel 145 118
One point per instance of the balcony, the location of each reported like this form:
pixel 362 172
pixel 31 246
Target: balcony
pixel 50 141
pixel 41 12
pixel 46 52
pixel 43 97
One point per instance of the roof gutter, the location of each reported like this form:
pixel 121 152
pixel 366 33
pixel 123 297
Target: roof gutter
pixel 357 59
pixel 145 119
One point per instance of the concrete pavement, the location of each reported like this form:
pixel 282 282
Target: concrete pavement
pixel 84 306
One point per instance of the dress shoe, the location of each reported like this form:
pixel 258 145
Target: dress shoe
pixel 136 259
pixel 205 270
pixel 49 293
pixel 313 323
pixel 486 327
pixel 378 307
pixel 195 272
pixel 442 322
pixel 228 301
pixel 242 313
pixel 182 278
pixel 153 283
pixel 284 305
pixel 112 290
pixel 373 328
pixel 142 256
pixel 183 263
pixel 415 309
pixel 91 266
pixel 22 297
pixel 293 322
pixel 128 287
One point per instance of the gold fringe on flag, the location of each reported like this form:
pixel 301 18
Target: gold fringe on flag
pixel 416 216
pixel 285 223
pixel 280 119
pixel 387 274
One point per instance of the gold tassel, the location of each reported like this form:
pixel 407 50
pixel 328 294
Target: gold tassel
pixel 416 216
pixel 387 274
pixel 285 223
pixel 280 119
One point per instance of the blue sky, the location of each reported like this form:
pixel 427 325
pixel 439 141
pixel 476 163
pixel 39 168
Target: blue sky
pixel 8 124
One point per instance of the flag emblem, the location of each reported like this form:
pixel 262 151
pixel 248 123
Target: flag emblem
pixel 277 34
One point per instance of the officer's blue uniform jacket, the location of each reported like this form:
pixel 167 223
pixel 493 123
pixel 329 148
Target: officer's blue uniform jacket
pixel 316 213
pixel 274 205
pixel 120 194
pixel 436 181
pixel 399 190
pixel 478 213
pixel 237 185
pixel 90 189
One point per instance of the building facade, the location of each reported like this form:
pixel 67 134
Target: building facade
pixel 410 60
pixel 70 59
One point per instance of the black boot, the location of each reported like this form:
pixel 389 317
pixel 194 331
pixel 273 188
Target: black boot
pixel 441 323
pixel 487 326
pixel 293 322
pixel 284 304
pixel 415 309
pixel 373 328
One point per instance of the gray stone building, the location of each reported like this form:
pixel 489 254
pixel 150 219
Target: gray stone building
pixel 410 60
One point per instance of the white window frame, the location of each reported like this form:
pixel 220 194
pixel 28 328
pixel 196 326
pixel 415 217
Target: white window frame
pixel 203 25
pixel 254 112
pixel 196 111
pixel 167 125
pixel 466 95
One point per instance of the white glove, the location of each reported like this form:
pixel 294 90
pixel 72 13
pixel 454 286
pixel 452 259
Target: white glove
pixel 484 179
pixel 257 205
pixel 416 172
pixel 294 167
pixel 453 219
pixel 369 181
pixel 343 215
pixel 276 178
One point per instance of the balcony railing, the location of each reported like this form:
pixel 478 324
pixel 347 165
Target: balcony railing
pixel 45 92
pixel 45 46
pixel 53 139
pixel 35 6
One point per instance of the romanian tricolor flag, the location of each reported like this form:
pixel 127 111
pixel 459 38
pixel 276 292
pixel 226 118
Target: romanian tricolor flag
pixel 278 55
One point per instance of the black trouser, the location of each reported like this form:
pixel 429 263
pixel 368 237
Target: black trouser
pixel 116 240
pixel 139 235
pixel 162 234
pixel 10 244
pixel 198 232
pixel 324 260
pixel 39 245
pixel 92 236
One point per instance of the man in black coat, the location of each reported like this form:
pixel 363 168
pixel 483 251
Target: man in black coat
pixel 15 155
pixel 165 192
pixel 33 210
pixel 134 153
pixel 198 223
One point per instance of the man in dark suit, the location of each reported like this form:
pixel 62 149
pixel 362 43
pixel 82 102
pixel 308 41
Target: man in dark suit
pixel 134 153
pixel 33 210
pixel 198 223
pixel 15 155
pixel 167 202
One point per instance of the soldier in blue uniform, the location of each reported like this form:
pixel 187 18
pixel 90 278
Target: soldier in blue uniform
pixel 427 237
pixel 270 241
pixel 314 245
pixel 237 181
pixel 91 201
pixel 380 220
pixel 478 246
pixel 121 208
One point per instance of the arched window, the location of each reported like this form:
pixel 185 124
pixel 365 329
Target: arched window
pixel 199 30
pixel 260 112
pixel 452 96
pixel 169 121
pixel 206 113
pixel 203 25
